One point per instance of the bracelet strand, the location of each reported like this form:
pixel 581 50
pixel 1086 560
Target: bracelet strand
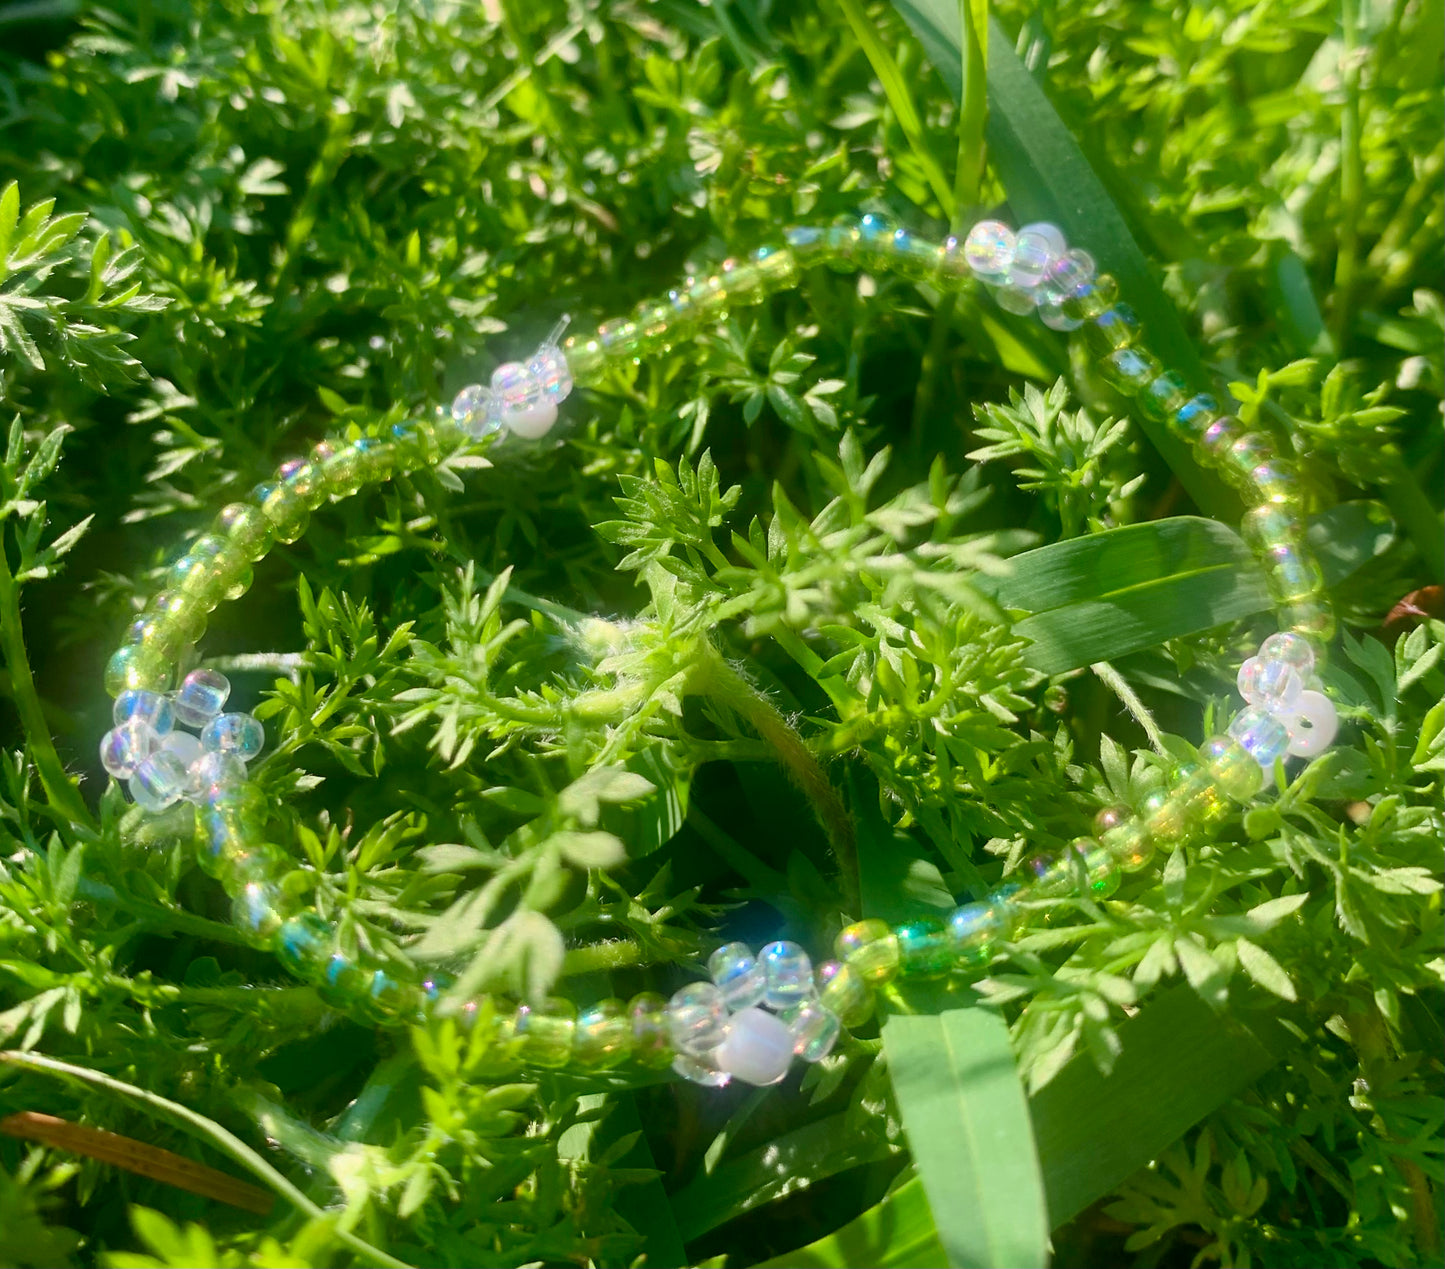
pixel 757 1012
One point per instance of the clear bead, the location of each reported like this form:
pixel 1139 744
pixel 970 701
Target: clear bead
pixel 989 249
pixel 548 367
pixel 124 748
pixel 1269 683
pixel 815 1030
pixel 1035 250
pixel 515 387
pixel 1052 314
pixel 160 781
pixel 201 696
pixel 697 1018
pixel 215 770
pixel 1019 300
pixel 790 974
pixel 735 970
pixel 1293 650
pixel 758 1048
pixel 474 410
pixel 238 734
pixel 699 1071
pixel 152 708
pixel 1313 726
pixel 1066 274
pixel 1263 735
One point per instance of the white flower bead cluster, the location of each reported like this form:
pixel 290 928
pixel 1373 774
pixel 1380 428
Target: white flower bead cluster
pixel 1282 714
pixel 522 398
pixel 1031 269
pixel 163 764
pixel 723 1029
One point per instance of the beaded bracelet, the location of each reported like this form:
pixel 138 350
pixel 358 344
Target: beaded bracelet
pixel 757 1012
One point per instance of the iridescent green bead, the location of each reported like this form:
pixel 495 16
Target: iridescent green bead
pixel 1049 878
pixel 1100 868
pixel 871 948
pixel 1110 817
pixel 777 267
pixel 182 617
pixel 913 257
pixel 875 241
pixel 1310 619
pixel 923 948
pixel 285 508
pixel 585 355
pixel 708 297
pixel 246 529
pixel 306 479
pixel 603 1038
pixel 343 981
pixel 1129 370
pixel 342 468
pixel 844 990
pixel 807 243
pixel 1198 792
pixel 1271 525
pixel 1130 844
pixel 1275 482
pixel 742 282
pixel 654 320
pixel 1163 396
pixel 953 266
pixel 545 1031
pixel 260 908
pixel 1192 418
pixel 1165 817
pixel 377 458
pixel 1292 575
pixel 1233 767
pixel 137 666
pixel 1088 301
pixel 1115 328
pixel 651 1039
pixel 152 630
pixel 303 945
pixel 974 933
pixel 196 573
pixel 388 997
pixel 618 337
pixel 842 241
pixel 1237 464
pixel 1216 440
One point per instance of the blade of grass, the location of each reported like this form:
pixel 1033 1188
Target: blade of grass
pixel 1047 177
pixel 953 1073
pixel 207 1130
pixel 1179 1060
pixel 896 1233
pixel 900 98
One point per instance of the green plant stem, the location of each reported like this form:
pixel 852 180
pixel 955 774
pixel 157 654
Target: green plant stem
pixel 1416 516
pixel 716 678
pixel 208 1130
pixel 1119 685
pixel 60 790
pixel 1351 179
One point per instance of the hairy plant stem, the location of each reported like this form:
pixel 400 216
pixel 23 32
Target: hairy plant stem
pixel 60 790
pixel 715 677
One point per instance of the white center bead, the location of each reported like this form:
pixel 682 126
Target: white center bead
pixel 531 422
pixel 1313 727
pixel 758 1048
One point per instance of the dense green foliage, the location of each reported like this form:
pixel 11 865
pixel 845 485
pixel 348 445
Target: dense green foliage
pixel 732 661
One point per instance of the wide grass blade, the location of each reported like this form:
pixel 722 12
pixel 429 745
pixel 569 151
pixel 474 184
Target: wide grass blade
pixel 1180 1059
pixel 967 1121
pixel 954 1076
pixel 1047 177
pixel 896 1233
pixel 1101 597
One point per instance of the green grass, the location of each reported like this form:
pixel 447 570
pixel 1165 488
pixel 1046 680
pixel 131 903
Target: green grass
pixel 815 616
